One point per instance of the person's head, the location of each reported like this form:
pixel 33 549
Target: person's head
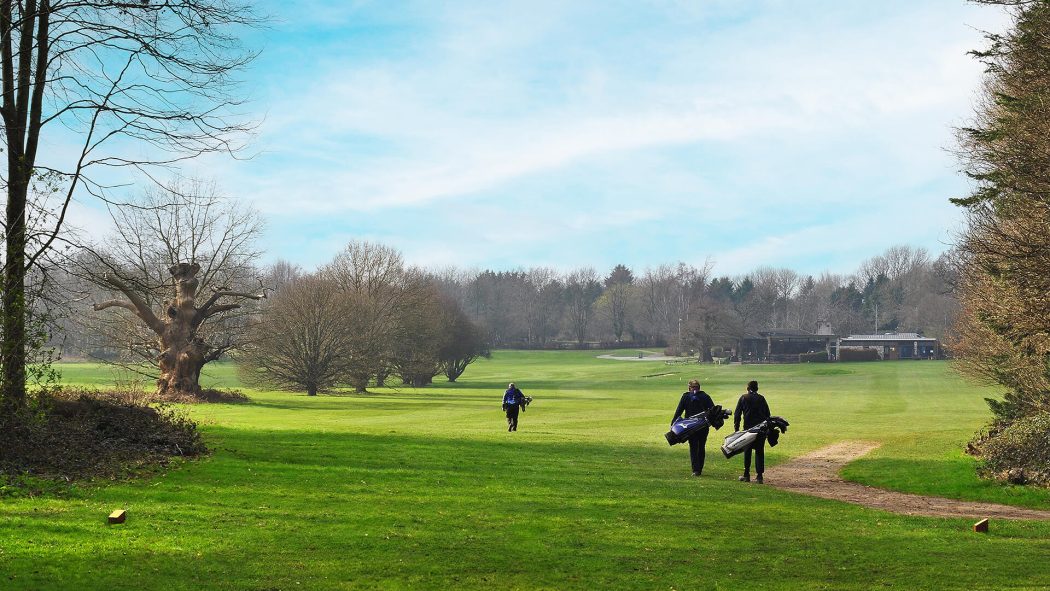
pixel 510 386
pixel 694 386
pixel 752 386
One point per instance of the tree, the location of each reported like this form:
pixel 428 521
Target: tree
pixel 385 293
pixel 415 354
pixel 1003 268
pixel 581 291
pixel 173 246
pixel 1004 253
pixel 463 341
pixel 895 283
pixel 699 311
pixel 140 84
pixel 618 289
pixel 303 340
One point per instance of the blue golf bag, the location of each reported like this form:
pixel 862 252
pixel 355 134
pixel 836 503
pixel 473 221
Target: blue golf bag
pixel 738 442
pixel 681 429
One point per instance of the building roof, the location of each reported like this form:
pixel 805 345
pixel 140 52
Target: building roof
pixel 787 333
pixel 894 336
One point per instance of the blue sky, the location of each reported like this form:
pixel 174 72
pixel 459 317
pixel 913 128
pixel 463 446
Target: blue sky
pixel 806 134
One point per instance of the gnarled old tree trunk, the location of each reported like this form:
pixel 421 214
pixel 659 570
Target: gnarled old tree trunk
pixel 182 353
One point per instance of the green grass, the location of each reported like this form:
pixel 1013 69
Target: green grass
pixel 424 489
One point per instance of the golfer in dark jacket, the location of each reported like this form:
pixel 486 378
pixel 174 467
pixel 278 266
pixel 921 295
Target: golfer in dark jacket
pixel 693 402
pixel 753 409
pixel 513 401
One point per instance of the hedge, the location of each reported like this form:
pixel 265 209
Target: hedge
pixel 858 355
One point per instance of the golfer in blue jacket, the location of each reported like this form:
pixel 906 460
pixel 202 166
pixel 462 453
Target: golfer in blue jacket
pixel 513 402
pixel 693 402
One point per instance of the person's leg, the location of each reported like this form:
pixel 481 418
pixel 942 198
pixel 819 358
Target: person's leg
pixel 698 466
pixel 694 446
pixel 760 457
pixel 747 465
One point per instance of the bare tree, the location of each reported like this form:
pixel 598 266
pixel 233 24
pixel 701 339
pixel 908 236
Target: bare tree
pixel 550 304
pixel 281 273
pixel 415 354
pixel 174 246
pixel 303 341
pixel 701 314
pixel 463 342
pixel 581 291
pixel 140 84
pixel 385 292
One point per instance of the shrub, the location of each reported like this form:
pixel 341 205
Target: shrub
pixel 818 357
pixel 1018 452
pixel 79 433
pixel 858 355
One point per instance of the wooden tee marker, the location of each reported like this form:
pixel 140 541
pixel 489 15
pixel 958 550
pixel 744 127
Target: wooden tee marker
pixel 120 515
pixel 981 526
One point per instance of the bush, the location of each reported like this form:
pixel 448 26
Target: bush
pixel 858 355
pixel 139 391
pixel 1017 453
pixel 818 357
pixel 78 433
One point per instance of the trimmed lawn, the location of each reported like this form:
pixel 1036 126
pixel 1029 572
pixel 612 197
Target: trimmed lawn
pixel 425 489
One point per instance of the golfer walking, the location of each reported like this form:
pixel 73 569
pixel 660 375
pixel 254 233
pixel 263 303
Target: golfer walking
pixel 695 401
pixel 513 402
pixel 752 407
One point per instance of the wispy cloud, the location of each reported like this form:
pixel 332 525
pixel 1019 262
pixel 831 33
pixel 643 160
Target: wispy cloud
pixel 601 130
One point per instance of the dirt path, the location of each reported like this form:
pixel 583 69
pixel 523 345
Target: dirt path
pixel 816 474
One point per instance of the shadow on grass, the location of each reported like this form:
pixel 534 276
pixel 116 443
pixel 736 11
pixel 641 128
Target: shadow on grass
pixel 398 400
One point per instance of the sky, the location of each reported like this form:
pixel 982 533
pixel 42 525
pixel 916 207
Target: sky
pixel 507 135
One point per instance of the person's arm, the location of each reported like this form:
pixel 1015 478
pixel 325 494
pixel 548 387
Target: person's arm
pixel 678 411
pixel 736 413
pixel 765 407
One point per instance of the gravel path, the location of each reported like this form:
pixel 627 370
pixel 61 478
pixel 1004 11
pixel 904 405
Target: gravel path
pixel 816 474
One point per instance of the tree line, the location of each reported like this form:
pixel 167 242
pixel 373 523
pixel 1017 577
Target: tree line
pixel 359 319
pixel 176 286
pixel 688 307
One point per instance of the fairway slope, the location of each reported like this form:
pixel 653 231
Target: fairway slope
pixel 816 474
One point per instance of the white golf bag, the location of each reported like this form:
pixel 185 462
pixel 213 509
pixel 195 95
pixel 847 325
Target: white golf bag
pixel 738 442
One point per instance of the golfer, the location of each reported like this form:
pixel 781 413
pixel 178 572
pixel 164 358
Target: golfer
pixel 513 402
pixel 753 409
pixel 695 401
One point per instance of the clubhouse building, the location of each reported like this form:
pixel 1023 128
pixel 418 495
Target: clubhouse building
pixel 794 345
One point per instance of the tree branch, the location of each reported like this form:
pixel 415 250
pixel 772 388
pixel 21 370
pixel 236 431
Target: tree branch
pixel 216 295
pixel 139 306
pixel 114 303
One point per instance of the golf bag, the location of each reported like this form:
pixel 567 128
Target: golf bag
pixel 524 401
pixel 741 440
pixel 681 429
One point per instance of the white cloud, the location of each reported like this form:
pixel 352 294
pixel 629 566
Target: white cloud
pixel 709 112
